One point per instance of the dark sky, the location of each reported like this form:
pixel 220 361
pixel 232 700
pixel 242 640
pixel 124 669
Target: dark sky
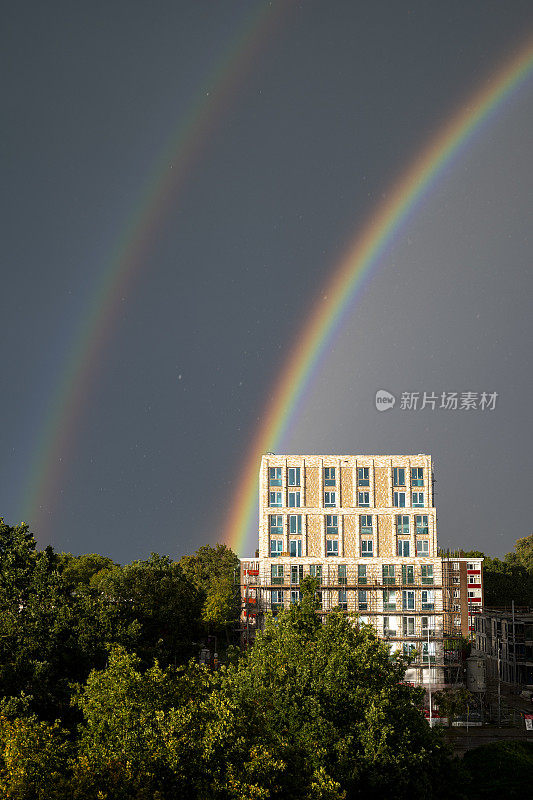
pixel 335 101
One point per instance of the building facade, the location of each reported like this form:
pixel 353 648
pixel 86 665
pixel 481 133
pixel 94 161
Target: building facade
pixel 505 640
pixel 365 526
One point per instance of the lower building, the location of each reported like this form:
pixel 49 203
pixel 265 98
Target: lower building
pixel 505 640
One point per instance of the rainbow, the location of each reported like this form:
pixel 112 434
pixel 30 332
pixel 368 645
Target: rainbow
pixel 336 300
pixel 128 259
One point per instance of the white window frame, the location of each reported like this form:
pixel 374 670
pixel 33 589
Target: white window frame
pixel 331 550
pixel 399 500
pixel 293 500
pixel 363 499
pixel 293 476
pixel 274 500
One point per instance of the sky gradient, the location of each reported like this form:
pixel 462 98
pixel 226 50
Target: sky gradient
pixel 327 106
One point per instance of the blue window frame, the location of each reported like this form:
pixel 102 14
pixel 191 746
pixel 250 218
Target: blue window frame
pixel 295 547
pixel 422 548
pixel 402 525
pixel 403 548
pixel 421 522
pixel 293 476
pixel 366 523
pixel 418 499
pixel 276 525
pixel 363 476
pixel 330 499
pixel 329 476
pixel 295 524
pixel 367 548
pixel 417 476
pixel 274 476
pixel 398 476
pixel 275 499
pixel 399 499
pixel 332 547
pixel 294 500
pixel 332 524
pixel 276 547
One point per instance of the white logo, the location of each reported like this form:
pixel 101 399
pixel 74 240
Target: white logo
pixel 384 400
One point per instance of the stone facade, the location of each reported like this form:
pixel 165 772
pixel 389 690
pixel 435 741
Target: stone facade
pixel 366 526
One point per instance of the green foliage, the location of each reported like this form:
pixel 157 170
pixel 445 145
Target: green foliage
pixel 500 769
pixel 452 702
pixel 157 596
pixel 34 758
pixel 212 570
pixel 81 570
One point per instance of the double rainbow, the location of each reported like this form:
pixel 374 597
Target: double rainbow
pixel 347 279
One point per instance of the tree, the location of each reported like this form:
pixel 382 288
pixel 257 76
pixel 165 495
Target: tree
pixel 523 555
pixel 452 702
pixel 213 571
pixel 157 596
pixel 80 570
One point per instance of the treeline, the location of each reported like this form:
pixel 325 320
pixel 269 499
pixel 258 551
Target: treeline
pixel 510 578
pixel 102 696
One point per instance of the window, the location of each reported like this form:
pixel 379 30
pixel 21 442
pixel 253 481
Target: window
pixel 455 565
pixel 343 600
pixel 367 548
pixel 428 599
pixel 275 499
pixel 428 652
pixel 457 622
pixel 295 524
pixel 428 626
pixel 315 570
pixel 274 476
pixel 409 626
pixel 399 499
pixel 294 500
pixel 456 593
pixel 276 598
pixel 387 571
pixel 417 476
pixel 471 566
pixel 421 522
pixel 422 548
pixel 276 525
pixel 366 523
pixel 295 547
pixel 342 574
pixel 294 476
pixel 332 547
pixel 363 476
pixel 329 476
pixel 276 573
pixel 409 649
pixel 408 598
pixel 364 499
pixel 471 593
pixel 473 579
pixel 389 600
pixel 408 574
pixel 329 498
pixel 418 500
pixel 456 607
pixel 361 573
pixel 398 476
pixel 297 573
pixel 389 626
pixel 403 548
pixel 295 596
pixel 426 573
pixel 402 525
pixel 332 524
pixel 276 547
pixel 362 599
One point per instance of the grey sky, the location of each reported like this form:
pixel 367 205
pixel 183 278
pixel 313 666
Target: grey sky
pixel 335 103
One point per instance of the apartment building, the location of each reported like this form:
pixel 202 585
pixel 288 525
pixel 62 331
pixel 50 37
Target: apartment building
pixel 365 526
pixel 505 640
pixel 462 580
